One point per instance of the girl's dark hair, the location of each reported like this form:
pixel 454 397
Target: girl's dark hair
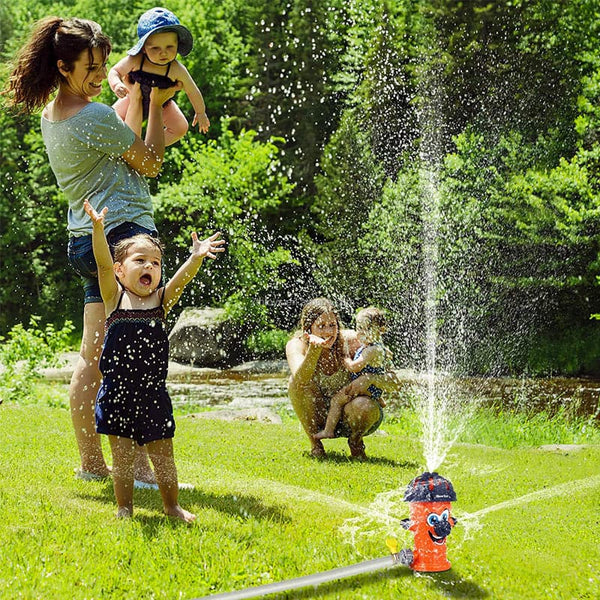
pixel 122 247
pixel 35 74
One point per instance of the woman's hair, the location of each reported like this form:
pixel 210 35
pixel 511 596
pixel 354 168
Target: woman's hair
pixel 311 311
pixel 122 247
pixel 35 74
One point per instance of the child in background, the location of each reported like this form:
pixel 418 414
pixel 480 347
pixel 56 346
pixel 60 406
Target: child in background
pixel 133 405
pixel 369 358
pixel 152 63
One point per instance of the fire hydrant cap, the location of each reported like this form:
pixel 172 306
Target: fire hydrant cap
pixel 429 487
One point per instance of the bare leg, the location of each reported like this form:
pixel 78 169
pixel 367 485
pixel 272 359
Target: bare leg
pixel 310 408
pixel 176 125
pixel 360 414
pixel 335 412
pixel 121 106
pixel 123 451
pixel 83 389
pixel 161 454
pixel 141 466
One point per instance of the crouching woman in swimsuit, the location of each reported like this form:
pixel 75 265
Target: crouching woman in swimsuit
pixel 315 357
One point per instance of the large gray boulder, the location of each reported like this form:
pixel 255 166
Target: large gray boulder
pixel 205 337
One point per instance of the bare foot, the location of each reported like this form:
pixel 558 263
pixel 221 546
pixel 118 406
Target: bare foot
pixel 323 435
pixel 124 513
pixel 180 513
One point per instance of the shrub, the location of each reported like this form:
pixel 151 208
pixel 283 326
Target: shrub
pixel 267 344
pixel 25 351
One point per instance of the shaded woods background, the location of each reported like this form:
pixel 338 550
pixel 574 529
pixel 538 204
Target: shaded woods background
pixel 345 134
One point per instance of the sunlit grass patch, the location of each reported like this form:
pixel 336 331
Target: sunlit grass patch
pixel 268 512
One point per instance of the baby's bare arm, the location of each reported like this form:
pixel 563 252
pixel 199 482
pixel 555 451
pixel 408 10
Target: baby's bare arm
pixel 373 356
pixel 193 93
pixel 179 72
pixel 354 366
pixel 116 76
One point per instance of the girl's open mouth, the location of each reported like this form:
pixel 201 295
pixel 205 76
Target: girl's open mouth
pixel 146 279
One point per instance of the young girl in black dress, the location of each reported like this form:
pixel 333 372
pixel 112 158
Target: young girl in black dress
pixel 133 405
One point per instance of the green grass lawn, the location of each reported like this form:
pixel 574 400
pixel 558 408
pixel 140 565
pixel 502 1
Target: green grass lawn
pixel 528 518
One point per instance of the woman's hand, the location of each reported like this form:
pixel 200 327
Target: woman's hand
pixel 314 340
pixel 160 96
pixel 134 89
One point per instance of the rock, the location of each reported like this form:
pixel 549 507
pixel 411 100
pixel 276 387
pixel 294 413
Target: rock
pixel 263 415
pixel 61 373
pixel 205 337
pixel 260 367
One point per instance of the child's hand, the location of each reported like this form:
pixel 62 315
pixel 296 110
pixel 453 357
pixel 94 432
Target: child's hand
pixel 121 90
pixel 207 247
pixel 97 218
pixel 202 121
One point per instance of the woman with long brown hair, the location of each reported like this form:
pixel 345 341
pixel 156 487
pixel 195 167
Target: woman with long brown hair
pixel 95 156
pixel 316 359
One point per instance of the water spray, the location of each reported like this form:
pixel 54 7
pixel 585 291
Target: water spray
pixel 429 497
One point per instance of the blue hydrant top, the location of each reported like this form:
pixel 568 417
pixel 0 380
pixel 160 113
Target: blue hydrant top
pixel 429 487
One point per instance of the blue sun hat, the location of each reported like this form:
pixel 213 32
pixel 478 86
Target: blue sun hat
pixel 157 20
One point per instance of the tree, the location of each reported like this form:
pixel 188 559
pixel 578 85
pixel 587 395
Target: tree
pixel 233 185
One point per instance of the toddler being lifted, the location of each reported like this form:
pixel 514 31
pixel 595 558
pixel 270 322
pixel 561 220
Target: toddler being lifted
pixel 152 63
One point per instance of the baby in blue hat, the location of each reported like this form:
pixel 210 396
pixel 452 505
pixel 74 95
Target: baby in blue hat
pixel 152 63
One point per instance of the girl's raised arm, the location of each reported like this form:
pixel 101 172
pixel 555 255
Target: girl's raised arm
pixel 109 289
pixel 187 271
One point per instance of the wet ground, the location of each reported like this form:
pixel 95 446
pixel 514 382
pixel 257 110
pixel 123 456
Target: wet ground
pixel 236 390
pixel 264 385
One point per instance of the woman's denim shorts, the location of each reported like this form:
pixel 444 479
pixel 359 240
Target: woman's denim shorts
pixel 81 256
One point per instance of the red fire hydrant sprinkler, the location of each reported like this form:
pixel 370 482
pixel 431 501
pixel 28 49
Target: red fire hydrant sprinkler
pixel 430 521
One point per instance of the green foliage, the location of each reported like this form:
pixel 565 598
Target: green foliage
pixel 234 186
pixel 506 428
pixel 297 48
pixel 501 99
pixel 384 98
pixel 25 351
pixel 507 66
pixel 529 238
pixel 35 277
pixel 268 343
pixel 351 183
